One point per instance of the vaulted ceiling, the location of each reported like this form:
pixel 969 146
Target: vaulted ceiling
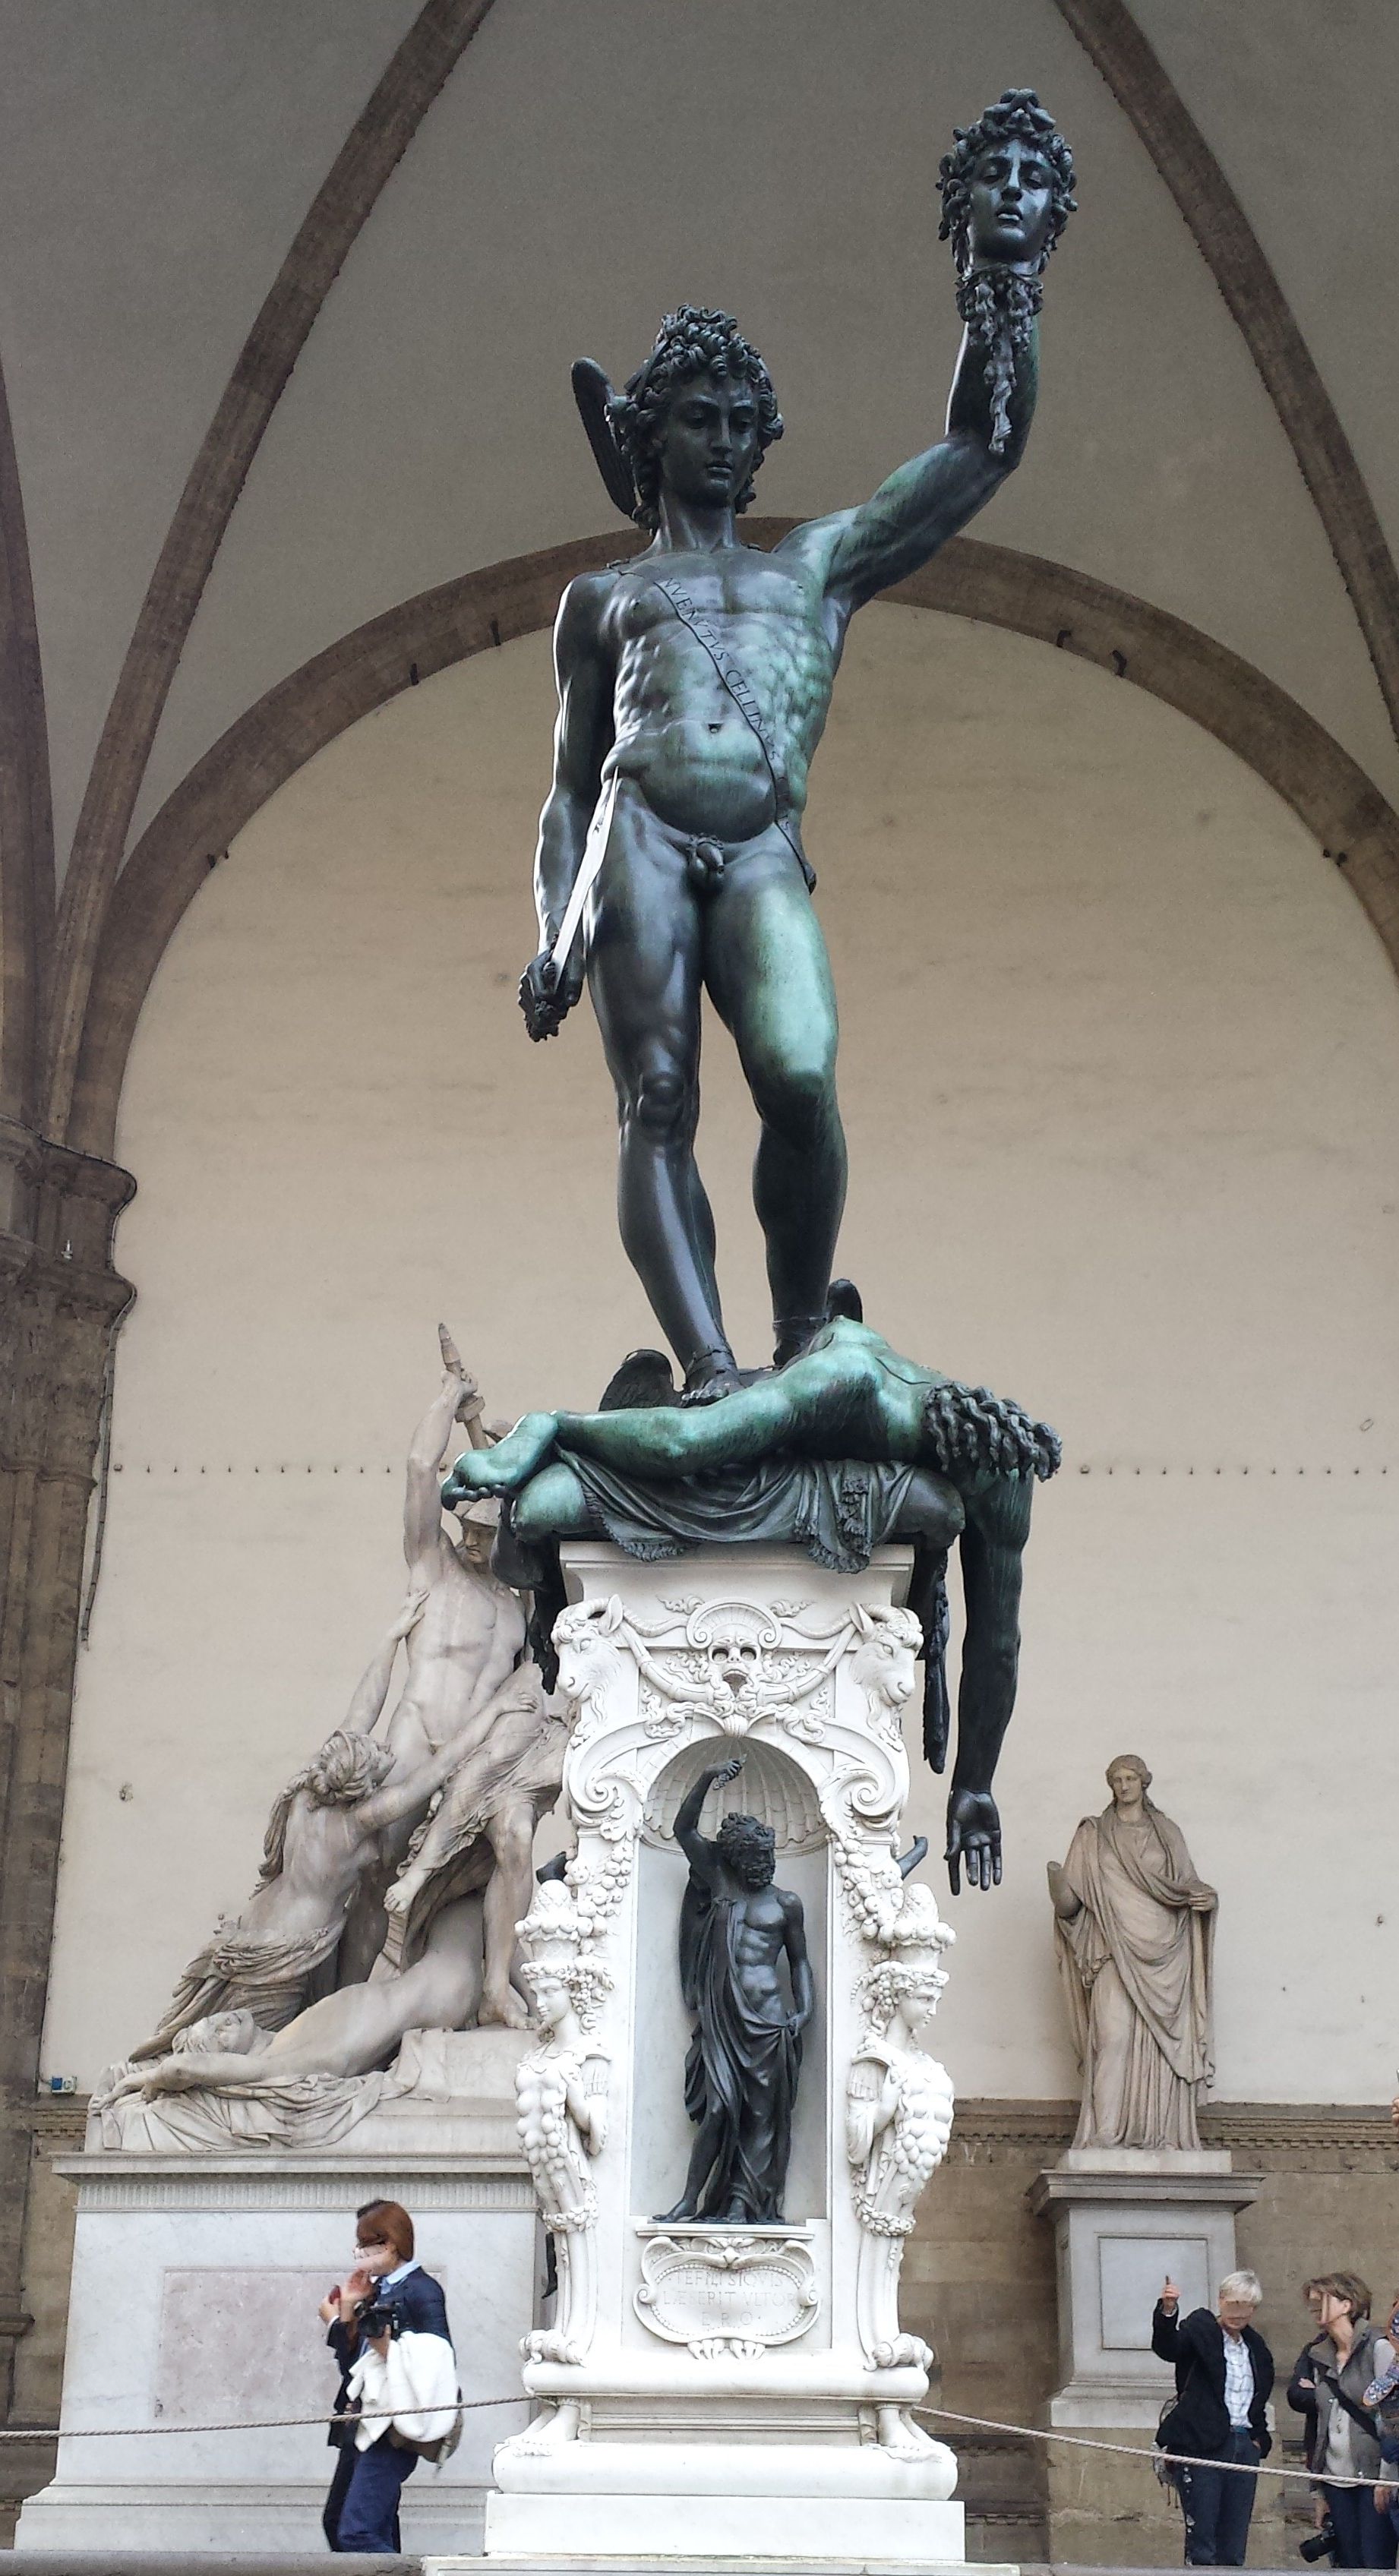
pixel 288 296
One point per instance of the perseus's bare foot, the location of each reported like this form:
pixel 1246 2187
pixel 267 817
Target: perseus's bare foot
pixel 503 2009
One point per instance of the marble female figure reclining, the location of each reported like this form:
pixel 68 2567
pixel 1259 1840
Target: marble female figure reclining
pixel 969 1462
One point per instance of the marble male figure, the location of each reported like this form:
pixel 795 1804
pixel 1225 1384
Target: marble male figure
pixel 736 1929
pixel 694 684
pixel 1135 1933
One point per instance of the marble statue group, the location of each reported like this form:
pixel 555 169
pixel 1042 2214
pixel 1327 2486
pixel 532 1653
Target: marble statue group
pixel 398 1860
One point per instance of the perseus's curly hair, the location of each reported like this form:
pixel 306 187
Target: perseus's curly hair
pixel 991 1435
pixel 1018 113
pixel 746 1846
pixel 692 341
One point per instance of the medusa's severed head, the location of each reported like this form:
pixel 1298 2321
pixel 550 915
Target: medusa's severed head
pixel 1007 187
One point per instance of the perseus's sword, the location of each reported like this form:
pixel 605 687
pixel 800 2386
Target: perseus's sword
pixel 589 870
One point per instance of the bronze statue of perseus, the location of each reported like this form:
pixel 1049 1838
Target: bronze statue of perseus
pixel 694 682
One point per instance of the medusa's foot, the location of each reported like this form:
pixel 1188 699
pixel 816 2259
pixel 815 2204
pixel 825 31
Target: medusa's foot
pixel 507 1466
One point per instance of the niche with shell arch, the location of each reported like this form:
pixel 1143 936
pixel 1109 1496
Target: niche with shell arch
pixel 769 1787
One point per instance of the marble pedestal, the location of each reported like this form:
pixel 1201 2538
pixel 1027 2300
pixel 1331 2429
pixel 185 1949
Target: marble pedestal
pixel 196 2278
pixel 727 2391
pixel 1124 2219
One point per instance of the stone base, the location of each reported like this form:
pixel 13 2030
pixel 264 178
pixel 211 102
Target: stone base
pixel 86 2519
pixel 1146 2160
pixel 196 2279
pixel 1120 2227
pixel 719 2523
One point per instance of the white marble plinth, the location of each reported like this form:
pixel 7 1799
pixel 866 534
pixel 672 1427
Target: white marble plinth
pixel 718 2521
pixel 721 2390
pixel 196 2279
pixel 1125 2220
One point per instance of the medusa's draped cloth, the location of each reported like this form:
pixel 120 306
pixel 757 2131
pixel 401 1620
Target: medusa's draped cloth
pixel 741 2068
pixel 1136 1965
pixel 838 1509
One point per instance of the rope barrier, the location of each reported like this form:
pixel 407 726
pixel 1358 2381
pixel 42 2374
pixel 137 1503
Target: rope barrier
pixel 471 2405
pixel 1137 2451
pixel 266 2424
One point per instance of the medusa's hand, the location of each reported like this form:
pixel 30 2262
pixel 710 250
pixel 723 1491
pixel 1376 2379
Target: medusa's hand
pixel 973 1838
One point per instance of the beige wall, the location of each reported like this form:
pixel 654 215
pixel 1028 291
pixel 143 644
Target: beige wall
pixel 1121 1074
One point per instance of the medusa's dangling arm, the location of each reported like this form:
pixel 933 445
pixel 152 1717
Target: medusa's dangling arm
pixel 992 1552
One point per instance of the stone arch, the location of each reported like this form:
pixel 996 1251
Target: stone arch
pixel 1354 825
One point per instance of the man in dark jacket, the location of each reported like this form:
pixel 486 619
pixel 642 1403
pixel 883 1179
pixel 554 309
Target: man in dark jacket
pixel 1224 2374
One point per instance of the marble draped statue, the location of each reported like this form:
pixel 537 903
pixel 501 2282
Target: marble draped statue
pixel 694 684
pixel 1134 1927
pixel 845 1446
pixel 736 1931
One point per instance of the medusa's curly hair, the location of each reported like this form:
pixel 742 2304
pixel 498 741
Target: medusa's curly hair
pixel 746 1846
pixel 692 341
pixel 1017 112
pixel 986 1434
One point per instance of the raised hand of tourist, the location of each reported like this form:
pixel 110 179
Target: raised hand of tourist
pixel 1170 2296
pixel 547 995
pixel 973 1839
pixel 358 2286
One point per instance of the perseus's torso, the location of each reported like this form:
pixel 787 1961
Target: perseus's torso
pixel 681 735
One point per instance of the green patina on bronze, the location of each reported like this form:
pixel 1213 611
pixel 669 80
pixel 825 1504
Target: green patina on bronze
pixel 694 684
pixel 931 1460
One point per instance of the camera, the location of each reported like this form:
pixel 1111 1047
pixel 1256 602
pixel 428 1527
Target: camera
pixel 377 2317
pixel 1319 2544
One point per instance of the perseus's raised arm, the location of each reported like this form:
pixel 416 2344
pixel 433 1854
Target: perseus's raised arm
pixel 933 496
pixel 1007 193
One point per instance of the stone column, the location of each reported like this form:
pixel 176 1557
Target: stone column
pixel 62 1301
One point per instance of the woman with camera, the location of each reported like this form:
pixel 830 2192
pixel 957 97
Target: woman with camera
pixel 401 2376
pixel 1329 2388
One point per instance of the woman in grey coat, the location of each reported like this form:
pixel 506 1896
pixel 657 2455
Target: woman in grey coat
pixel 1328 2387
